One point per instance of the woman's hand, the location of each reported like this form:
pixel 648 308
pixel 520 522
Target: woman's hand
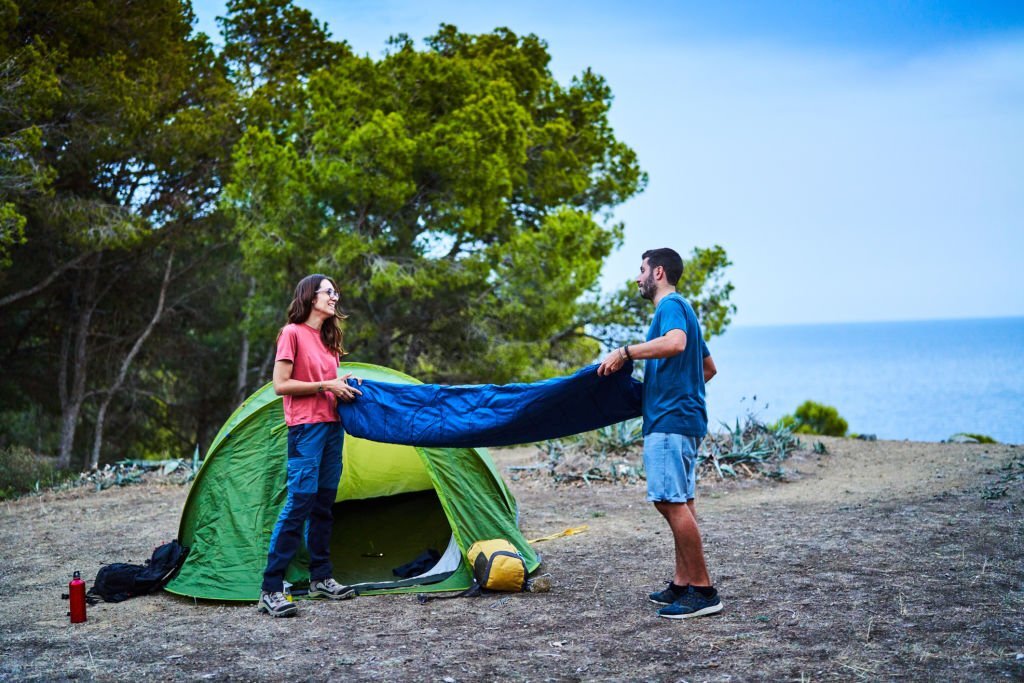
pixel 341 388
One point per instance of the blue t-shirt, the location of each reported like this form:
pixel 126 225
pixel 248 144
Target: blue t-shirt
pixel 674 387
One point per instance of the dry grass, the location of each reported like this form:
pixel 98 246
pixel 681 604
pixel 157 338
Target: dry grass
pixel 878 561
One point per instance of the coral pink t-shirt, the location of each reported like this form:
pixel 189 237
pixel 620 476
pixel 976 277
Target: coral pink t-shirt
pixel 311 362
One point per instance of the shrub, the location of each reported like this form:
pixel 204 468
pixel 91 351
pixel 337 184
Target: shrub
pixel 814 418
pixel 613 453
pixel 749 447
pixel 968 437
pixel 606 454
pixel 22 471
pixel 616 438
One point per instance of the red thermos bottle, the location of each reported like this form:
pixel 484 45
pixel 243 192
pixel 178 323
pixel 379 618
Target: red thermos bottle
pixel 76 591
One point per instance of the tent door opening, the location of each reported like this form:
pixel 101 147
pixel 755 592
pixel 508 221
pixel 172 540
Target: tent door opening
pixel 374 536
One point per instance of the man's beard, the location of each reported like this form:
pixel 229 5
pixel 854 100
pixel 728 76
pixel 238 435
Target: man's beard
pixel 647 288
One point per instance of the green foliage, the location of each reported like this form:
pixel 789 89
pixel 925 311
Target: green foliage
pixel 617 320
pixel 25 472
pixel 968 437
pixel 454 192
pixel 605 454
pixel 460 195
pixel 580 459
pixel 112 139
pixel 29 427
pixel 815 418
pixel 22 471
pixel 704 285
pixel 614 453
pixel 749 446
pixel 96 97
pixel 618 438
pixel 269 46
pixel 1011 477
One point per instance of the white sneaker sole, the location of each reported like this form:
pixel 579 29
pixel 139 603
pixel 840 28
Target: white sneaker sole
pixel 350 593
pixel 713 609
pixel 286 612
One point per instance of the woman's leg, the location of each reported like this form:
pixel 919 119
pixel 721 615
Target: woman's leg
pixel 303 475
pixel 321 520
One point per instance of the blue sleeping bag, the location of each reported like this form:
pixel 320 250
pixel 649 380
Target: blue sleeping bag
pixel 480 415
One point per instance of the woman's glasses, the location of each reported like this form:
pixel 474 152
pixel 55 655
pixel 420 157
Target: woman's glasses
pixel 331 294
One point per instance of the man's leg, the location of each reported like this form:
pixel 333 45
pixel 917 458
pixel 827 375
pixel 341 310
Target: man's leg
pixel 670 461
pixel 691 569
pixel 673 496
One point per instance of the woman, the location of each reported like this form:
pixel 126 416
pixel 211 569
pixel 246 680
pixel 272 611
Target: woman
pixel 309 348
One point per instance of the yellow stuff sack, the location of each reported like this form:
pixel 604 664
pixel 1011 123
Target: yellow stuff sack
pixel 497 565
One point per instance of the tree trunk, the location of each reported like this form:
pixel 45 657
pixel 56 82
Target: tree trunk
pixel 243 355
pixel 40 286
pixel 266 368
pixel 101 416
pixel 73 362
pixel 412 355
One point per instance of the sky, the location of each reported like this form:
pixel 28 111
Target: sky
pixel 858 161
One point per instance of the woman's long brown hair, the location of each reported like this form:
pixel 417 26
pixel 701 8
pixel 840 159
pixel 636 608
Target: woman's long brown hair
pixel 302 305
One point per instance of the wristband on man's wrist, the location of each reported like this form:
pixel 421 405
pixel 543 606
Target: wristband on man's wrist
pixel 320 389
pixel 629 356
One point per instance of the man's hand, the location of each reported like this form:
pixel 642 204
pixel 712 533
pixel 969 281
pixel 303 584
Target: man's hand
pixel 341 388
pixel 613 362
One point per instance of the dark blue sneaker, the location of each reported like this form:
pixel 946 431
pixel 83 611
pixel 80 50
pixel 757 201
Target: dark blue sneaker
pixel 692 604
pixel 669 595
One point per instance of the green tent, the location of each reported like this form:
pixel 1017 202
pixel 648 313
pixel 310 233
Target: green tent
pixel 394 504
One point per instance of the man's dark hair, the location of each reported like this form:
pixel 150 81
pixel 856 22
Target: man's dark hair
pixel 668 259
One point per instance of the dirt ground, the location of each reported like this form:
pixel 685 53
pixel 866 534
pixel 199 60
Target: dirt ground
pixel 876 561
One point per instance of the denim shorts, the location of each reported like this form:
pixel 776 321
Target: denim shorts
pixel 671 464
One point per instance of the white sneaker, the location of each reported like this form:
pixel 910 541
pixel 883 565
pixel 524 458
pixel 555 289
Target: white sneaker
pixel 276 605
pixel 329 588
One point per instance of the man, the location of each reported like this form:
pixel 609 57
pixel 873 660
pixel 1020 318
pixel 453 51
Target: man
pixel 675 422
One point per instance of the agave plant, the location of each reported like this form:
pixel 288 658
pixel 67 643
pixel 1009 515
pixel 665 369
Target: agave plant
pixel 613 453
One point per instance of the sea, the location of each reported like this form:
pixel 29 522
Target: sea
pixel 920 380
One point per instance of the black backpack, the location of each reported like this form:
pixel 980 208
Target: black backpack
pixel 120 581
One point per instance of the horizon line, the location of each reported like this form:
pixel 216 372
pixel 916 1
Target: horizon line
pixel 1019 316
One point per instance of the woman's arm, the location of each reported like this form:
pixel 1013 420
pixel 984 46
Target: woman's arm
pixel 284 385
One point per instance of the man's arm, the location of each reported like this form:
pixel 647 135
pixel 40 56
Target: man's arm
pixel 671 344
pixel 709 369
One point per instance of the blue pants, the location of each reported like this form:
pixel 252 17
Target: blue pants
pixel 314 470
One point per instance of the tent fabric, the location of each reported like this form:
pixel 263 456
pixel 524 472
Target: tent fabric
pixel 482 415
pixel 238 493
